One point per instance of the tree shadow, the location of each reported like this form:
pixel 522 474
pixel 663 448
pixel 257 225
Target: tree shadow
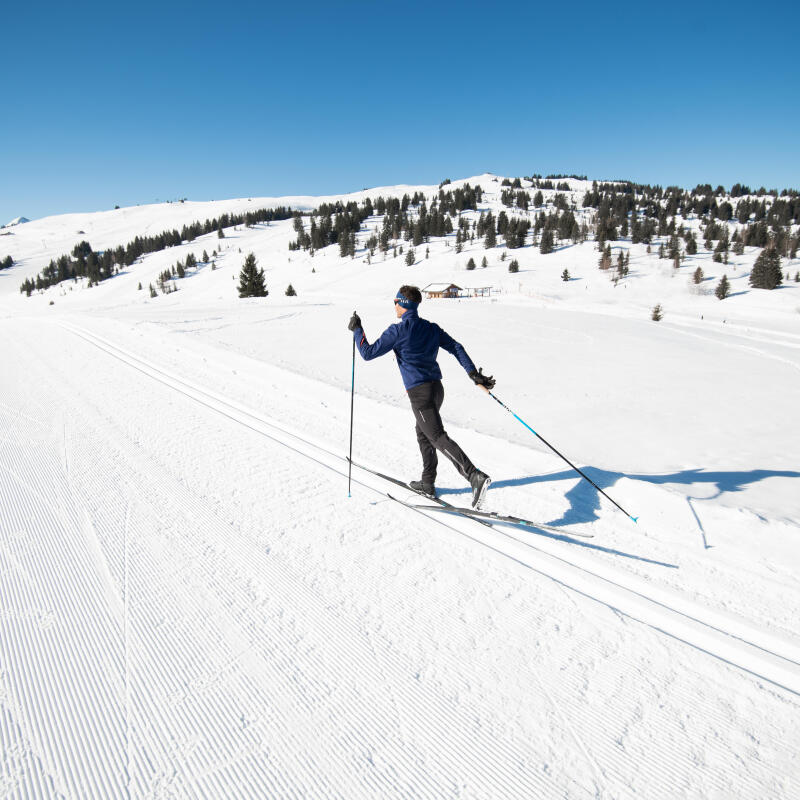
pixel 584 499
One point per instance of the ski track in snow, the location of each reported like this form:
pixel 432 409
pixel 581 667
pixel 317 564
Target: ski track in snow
pixel 169 652
pixel 180 746
pixel 781 670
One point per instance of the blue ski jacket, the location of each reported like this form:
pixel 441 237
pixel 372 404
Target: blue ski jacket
pixel 416 344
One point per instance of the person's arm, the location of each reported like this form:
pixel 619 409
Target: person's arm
pixel 382 345
pixel 452 346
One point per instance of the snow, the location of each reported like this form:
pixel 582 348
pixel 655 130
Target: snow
pixel 16 221
pixel 192 606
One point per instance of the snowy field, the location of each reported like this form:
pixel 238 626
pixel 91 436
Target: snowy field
pixel 191 606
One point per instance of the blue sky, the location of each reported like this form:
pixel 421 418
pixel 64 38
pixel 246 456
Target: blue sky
pixel 126 103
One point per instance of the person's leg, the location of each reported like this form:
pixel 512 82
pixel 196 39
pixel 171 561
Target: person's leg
pixel 426 400
pixel 429 458
pixel 421 399
pixel 478 480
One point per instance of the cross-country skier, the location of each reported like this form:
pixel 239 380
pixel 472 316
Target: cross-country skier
pixel 416 343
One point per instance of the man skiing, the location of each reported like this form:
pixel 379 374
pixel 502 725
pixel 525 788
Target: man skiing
pixel 416 343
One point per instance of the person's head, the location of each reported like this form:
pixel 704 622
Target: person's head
pixel 406 298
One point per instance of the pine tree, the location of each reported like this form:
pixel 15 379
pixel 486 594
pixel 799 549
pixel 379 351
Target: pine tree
pixel 290 292
pixel 410 256
pixel 140 287
pixel 766 272
pixel 698 275
pixel 546 244
pixel 723 288
pixel 513 266
pixel 605 259
pixel 491 235
pixel 657 313
pixel 251 279
pixel 471 263
pixel 636 230
pixel 220 232
pixel 565 276
pixel 484 263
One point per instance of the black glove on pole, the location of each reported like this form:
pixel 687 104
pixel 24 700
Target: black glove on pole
pixel 355 322
pixel 352 396
pixel 485 381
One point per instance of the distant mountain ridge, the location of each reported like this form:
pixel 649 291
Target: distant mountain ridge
pixel 17 221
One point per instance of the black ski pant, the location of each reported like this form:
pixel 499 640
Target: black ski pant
pixel 426 400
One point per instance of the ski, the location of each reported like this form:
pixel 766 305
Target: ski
pixel 482 516
pixel 443 504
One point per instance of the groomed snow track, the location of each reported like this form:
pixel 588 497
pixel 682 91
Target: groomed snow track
pixel 765 655
pixel 206 678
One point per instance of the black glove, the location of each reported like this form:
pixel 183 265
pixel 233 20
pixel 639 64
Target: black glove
pixel 355 322
pixel 482 380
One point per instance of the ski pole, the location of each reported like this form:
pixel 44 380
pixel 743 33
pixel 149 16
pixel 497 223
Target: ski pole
pixel 352 396
pixel 582 474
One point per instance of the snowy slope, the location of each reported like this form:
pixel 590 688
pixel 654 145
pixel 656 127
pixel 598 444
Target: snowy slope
pixel 15 221
pixel 193 607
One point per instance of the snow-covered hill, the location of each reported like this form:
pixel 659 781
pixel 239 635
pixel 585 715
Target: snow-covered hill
pixel 192 606
pixel 15 221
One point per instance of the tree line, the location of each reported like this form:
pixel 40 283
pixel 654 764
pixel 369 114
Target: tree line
pixel 98 266
pixel 338 223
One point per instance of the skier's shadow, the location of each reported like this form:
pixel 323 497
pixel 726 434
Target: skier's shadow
pixel 584 499
pixel 565 537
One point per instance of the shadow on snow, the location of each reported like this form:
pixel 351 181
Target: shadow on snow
pixel 584 499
